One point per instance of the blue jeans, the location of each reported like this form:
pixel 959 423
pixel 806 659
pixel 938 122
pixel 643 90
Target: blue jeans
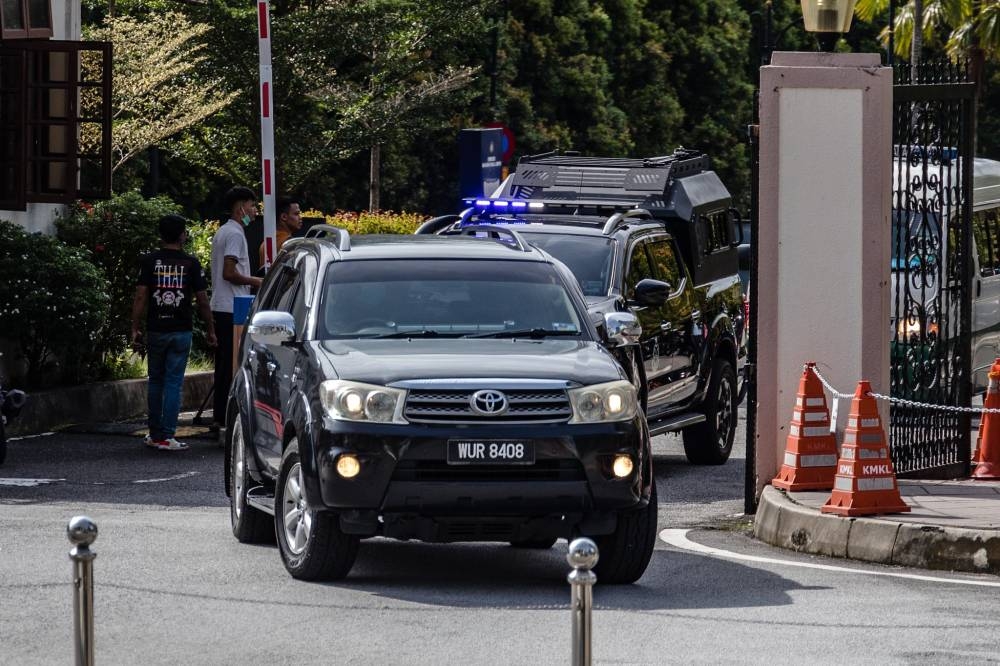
pixel 168 355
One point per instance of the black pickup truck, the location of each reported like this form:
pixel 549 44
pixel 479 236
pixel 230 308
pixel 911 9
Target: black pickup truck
pixel 655 238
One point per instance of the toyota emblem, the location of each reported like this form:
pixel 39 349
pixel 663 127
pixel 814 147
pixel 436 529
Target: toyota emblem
pixel 488 403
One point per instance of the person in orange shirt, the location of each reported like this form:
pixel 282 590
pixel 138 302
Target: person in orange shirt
pixel 289 221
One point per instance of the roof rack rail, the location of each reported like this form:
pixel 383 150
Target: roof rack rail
pixel 324 230
pixel 497 232
pixel 619 220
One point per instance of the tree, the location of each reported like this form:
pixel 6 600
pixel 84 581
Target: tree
pixel 391 74
pixel 157 91
pixel 960 27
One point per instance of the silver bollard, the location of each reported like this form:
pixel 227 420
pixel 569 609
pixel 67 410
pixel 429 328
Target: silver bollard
pixel 582 556
pixel 82 532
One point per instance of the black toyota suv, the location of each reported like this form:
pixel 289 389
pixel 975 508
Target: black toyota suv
pixel 440 389
pixel 654 237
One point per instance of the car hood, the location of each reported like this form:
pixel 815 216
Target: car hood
pixel 389 361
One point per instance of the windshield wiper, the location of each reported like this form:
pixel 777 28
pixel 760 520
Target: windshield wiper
pixel 425 333
pixel 534 333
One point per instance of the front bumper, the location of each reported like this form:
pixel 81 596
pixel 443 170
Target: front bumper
pixel 404 471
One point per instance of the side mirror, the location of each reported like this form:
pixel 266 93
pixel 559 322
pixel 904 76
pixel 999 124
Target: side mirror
pixel 271 327
pixel 652 292
pixel 622 328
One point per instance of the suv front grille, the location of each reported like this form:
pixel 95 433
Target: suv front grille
pixel 438 470
pixel 454 406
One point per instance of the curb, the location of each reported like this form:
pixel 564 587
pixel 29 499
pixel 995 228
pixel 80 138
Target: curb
pixel 782 522
pixel 102 402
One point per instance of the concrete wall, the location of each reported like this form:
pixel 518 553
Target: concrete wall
pixel 66 19
pixel 823 244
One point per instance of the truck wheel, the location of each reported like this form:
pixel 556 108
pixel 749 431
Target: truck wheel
pixel 711 442
pixel 311 543
pixel 250 525
pixel 624 554
pixel 534 544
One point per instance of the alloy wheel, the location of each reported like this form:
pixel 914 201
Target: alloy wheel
pixel 296 516
pixel 724 412
pixel 239 464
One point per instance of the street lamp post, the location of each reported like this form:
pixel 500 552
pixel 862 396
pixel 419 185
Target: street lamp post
pixel 828 19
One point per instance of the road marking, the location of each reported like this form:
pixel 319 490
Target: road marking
pixel 678 539
pixel 23 437
pixel 168 478
pixel 28 483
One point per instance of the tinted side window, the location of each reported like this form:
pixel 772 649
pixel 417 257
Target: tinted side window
pixel 665 262
pixel 638 269
pixel 287 297
pixel 273 285
pixel 986 231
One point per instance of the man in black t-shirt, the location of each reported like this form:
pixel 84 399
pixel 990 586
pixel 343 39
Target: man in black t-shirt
pixel 169 280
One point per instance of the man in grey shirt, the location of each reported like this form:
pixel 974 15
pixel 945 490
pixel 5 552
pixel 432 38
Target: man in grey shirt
pixel 230 278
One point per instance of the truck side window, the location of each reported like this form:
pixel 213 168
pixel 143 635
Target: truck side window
pixel 665 263
pixel 638 269
pixel 986 232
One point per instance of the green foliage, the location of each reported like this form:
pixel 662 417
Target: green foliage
pixel 612 77
pixel 54 303
pixel 381 222
pixel 116 233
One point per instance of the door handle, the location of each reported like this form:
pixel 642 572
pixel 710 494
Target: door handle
pixel 271 366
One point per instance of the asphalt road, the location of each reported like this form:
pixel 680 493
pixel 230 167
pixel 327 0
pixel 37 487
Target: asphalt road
pixel 173 586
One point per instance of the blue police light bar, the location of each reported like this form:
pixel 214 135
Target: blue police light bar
pixel 518 205
pixel 482 203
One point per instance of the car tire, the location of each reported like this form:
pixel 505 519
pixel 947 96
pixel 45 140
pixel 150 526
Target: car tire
pixel 711 442
pixel 311 544
pixel 250 525
pixel 625 553
pixel 534 544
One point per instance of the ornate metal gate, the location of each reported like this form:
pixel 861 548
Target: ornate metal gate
pixel 931 275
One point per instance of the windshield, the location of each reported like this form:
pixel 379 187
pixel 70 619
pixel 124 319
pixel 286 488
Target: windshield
pixel 588 257
pixel 445 298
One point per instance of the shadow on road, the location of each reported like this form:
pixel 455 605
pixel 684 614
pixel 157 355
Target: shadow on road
pixel 496 576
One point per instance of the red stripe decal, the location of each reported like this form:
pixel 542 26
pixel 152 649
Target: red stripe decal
pixel 267 176
pixel 265 98
pixel 279 427
pixel 262 13
pixel 269 249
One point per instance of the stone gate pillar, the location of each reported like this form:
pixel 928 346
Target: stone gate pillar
pixel 822 290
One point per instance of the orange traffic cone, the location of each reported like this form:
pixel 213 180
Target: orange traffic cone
pixel 988 467
pixel 811 449
pixel 865 483
pixel 991 401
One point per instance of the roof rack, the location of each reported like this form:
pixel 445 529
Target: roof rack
pixel 323 230
pixel 624 182
pixel 496 232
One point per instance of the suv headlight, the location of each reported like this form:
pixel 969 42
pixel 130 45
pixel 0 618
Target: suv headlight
pixel 604 403
pixel 353 401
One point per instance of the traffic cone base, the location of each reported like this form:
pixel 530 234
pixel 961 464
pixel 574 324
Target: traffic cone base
pixel 810 449
pixel 865 482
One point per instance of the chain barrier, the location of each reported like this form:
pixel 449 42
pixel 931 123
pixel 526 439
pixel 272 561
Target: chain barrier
pixel 913 404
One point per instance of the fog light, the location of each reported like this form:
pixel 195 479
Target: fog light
pixel 348 466
pixel 622 466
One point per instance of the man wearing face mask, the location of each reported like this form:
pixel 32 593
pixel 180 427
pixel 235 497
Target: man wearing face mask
pixel 230 278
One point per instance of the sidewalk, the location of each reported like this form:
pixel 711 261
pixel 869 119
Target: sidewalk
pixel 953 525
